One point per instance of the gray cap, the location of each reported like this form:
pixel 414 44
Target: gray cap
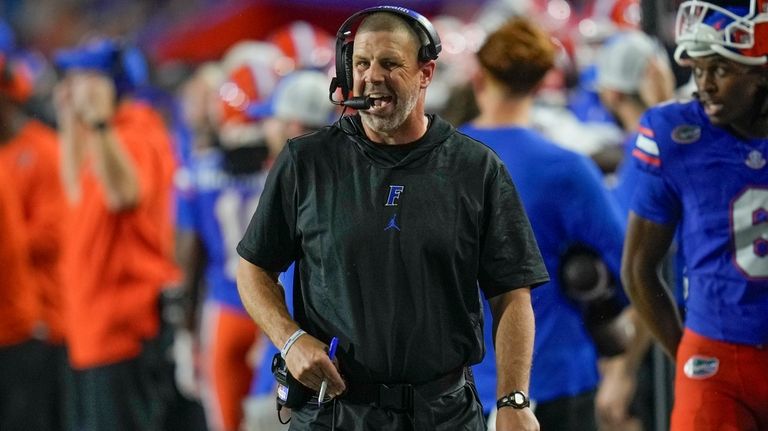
pixel 623 60
pixel 301 96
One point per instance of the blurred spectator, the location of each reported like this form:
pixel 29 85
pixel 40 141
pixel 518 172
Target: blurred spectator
pixel 191 120
pixel 560 119
pixel 223 187
pixel 22 357
pixel 299 105
pixel 199 105
pixel 569 210
pixel 29 152
pixel 251 68
pixel 117 167
pixel 194 133
pixel 633 73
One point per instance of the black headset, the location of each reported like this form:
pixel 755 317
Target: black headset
pixel 344 41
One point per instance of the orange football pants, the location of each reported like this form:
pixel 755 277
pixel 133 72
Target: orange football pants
pixel 228 335
pixel 720 386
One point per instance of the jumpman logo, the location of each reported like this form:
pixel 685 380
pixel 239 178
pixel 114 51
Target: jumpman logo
pixel 392 223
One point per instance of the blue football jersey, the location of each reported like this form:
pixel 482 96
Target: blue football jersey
pixel 221 205
pixel 714 186
pixel 567 204
pixel 182 145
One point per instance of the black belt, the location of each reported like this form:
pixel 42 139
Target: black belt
pixel 399 396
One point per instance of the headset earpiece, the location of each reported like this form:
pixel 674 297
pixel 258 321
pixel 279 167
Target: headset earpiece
pixel 343 78
pixel 424 54
pixel 346 55
pixel 429 51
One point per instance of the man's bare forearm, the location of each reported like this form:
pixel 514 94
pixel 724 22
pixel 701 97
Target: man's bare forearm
pixel 513 339
pixel 264 299
pixel 645 247
pixel 655 305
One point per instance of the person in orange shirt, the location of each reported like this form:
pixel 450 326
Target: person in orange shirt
pixel 21 359
pixel 29 153
pixel 117 168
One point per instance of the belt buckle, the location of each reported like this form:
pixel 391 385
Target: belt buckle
pixel 396 397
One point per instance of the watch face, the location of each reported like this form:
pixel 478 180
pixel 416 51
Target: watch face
pixel 515 400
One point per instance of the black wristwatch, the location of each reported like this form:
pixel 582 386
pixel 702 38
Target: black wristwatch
pixel 516 400
pixel 100 126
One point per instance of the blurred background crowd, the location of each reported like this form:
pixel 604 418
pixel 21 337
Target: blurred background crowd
pixel 135 138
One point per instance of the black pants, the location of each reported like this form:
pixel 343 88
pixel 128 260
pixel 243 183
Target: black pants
pixel 26 402
pixel 459 410
pixel 575 413
pixel 54 404
pixel 131 395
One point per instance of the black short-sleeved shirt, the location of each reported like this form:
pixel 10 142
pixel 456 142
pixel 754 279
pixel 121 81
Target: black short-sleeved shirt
pixel 393 242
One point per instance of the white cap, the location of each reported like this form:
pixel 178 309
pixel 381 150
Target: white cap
pixel 623 60
pixel 301 96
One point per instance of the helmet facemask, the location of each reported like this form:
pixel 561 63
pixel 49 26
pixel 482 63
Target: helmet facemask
pixel 736 33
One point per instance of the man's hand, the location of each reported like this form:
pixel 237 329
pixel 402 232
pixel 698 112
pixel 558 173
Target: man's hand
pixel 72 134
pixel 510 419
pixel 93 97
pixel 615 393
pixel 308 362
pixel 62 103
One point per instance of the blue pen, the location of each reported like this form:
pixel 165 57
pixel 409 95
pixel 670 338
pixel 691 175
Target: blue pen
pixel 331 355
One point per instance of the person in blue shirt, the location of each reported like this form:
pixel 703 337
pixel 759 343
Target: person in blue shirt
pixel 633 73
pixel 568 207
pixel 223 186
pixel 704 165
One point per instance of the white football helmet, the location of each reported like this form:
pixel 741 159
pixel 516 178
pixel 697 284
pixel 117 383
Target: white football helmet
pixel 739 33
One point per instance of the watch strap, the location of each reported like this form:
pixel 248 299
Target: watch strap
pixel 514 399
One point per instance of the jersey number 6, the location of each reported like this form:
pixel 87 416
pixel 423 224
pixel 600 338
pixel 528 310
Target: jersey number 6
pixel 749 224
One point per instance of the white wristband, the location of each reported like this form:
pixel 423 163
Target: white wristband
pixel 292 339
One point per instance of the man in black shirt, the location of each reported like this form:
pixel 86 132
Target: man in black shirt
pixel 394 220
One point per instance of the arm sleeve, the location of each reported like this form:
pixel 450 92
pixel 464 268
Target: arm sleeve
pixel 509 255
pixel 271 240
pixel 655 198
